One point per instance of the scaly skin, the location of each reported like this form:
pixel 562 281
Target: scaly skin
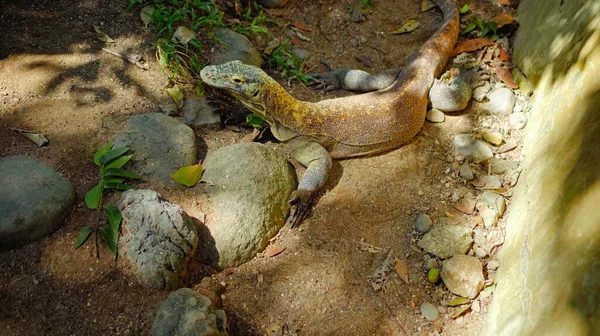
pixel 345 127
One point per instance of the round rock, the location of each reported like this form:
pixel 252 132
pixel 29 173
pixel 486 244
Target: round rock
pixel 495 138
pixel 234 47
pixel 187 313
pixel 158 238
pixel 518 120
pixel 435 116
pixel 429 311
pixel 197 112
pixel 34 200
pixel 423 223
pixel 249 186
pixel 466 172
pixel 463 275
pixel 160 145
pixel 501 101
pixel 476 150
pixel 444 241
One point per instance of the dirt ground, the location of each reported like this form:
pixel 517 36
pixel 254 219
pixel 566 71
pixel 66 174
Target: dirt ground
pixel 54 79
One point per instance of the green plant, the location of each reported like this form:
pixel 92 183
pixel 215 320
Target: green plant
pixel 486 28
pixel 255 120
pixel 289 64
pixel 112 176
pixel 256 24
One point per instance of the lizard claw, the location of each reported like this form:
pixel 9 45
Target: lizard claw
pixel 328 81
pixel 301 201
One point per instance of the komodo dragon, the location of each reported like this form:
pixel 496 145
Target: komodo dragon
pixel 352 126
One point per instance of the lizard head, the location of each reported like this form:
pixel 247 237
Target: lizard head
pixel 244 82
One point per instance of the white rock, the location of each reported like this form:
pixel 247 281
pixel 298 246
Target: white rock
pixel 495 138
pixel 435 116
pixel 501 101
pixel 518 120
pixel 463 275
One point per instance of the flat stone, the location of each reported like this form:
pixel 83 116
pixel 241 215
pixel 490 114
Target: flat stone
pixel 467 205
pixel 488 182
pixel 429 311
pixel 444 241
pixel 249 189
pixel 34 200
pixel 494 201
pixel 300 53
pixel 234 47
pixel 500 166
pixel 188 313
pixel 435 116
pixel 518 120
pixel 157 238
pixel 197 112
pixel 160 145
pixel 463 275
pixel 476 150
pixel 480 92
pixel 495 138
pixel 466 172
pixel 423 223
pixel 501 102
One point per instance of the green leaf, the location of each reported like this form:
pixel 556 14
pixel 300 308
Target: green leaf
pixel 114 216
pixel 113 154
pixel 92 197
pixel 493 26
pixel 469 28
pixel 110 237
pixel 83 235
pixel 101 151
pixel 116 180
pixel 464 9
pixel 254 120
pixel 121 173
pixel 458 301
pixel 118 163
pixel 118 186
pixel 189 175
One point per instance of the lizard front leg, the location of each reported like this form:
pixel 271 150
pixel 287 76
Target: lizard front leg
pixel 318 162
pixel 354 80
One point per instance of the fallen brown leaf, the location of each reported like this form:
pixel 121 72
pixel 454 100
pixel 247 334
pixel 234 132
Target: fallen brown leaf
pixel 472 45
pixel 296 41
pixel 402 269
pixel 273 251
pixel 506 77
pixel 301 26
pixel 503 19
pixel 503 55
pixel 503 2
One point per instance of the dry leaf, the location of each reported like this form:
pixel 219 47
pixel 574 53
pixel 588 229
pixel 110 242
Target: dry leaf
pixel 273 250
pixel 402 270
pixel 503 55
pixel 365 60
pixel 301 26
pixel 381 273
pixel 461 311
pixel 472 45
pixel 296 41
pixel 302 36
pixel 102 35
pixel 503 2
pixel 177 95
pixel 458 301
pixel 407 27
pixel 506 77
pixel 503 19
pixel 426 5
pixel 276 11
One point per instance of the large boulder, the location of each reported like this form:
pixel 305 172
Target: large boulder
pixel 34 200
pixel 158 239
pixel 249 185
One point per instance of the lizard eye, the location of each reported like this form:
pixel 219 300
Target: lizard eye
pixel 237 80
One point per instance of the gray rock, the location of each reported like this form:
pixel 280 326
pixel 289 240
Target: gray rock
pixel 423 223
pixel 300 53
pixel 518 120
pixel 494 201
pixel 480 92
pixel 495 138
pixel 272 3
pixel 488 182
pixel 34 200
pixel 444 241
pixel 466 172
pixel 197 112
pixel 431 263
pixel 435 116
pixel 249 199
pixel 463 275
pixel 187 313
pixel 236 47
pixel 160 145
pixel 500 166
pixel 158 238
pixel 489 216
pixel 501 101
pixel 429 311
pixel 169 108
pixel 476 150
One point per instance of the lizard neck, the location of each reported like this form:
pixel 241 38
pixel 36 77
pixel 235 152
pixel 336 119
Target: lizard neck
pixel 288 111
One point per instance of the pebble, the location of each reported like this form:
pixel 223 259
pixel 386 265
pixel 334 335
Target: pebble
pixel 480 92
pixel 518 120
pixel 429 311
pixel 501 101
pixel 500 166
pixel 475 306
pixel 493 265
pixel 495 138
pixel 441 309
pixel 197 112
pixel 477 150
pixel 466 172
pixel 489 217
pixel 488 182
pixel 494 201
pixel 479 237
pixel 479 252
pixel 435 116
pixel 423 223
pixel 431 263
pixel 467 205
pixel 463 275
pixel 300 53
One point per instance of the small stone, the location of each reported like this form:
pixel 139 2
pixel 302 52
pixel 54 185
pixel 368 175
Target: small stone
pixel 475 306
pixel 444 241
pixel 300 53
pixel 477 150
pixel 495 138
pixel 479 252
pixel 463 275
pixel 518 120
pixel 169 108
pixel 489 217
pixel 488 182
pixel 493 265
pixel 235 46
pixel 480 92
pixel 466 172
pixel 423 223
pixel 420 193
pixel 435 116
pixel 479 237
pixel 442 310
pixel 500 166
pixel 431 263
pixel 467 205
pixel 501 101
pixel 494 201
pixel 429 311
